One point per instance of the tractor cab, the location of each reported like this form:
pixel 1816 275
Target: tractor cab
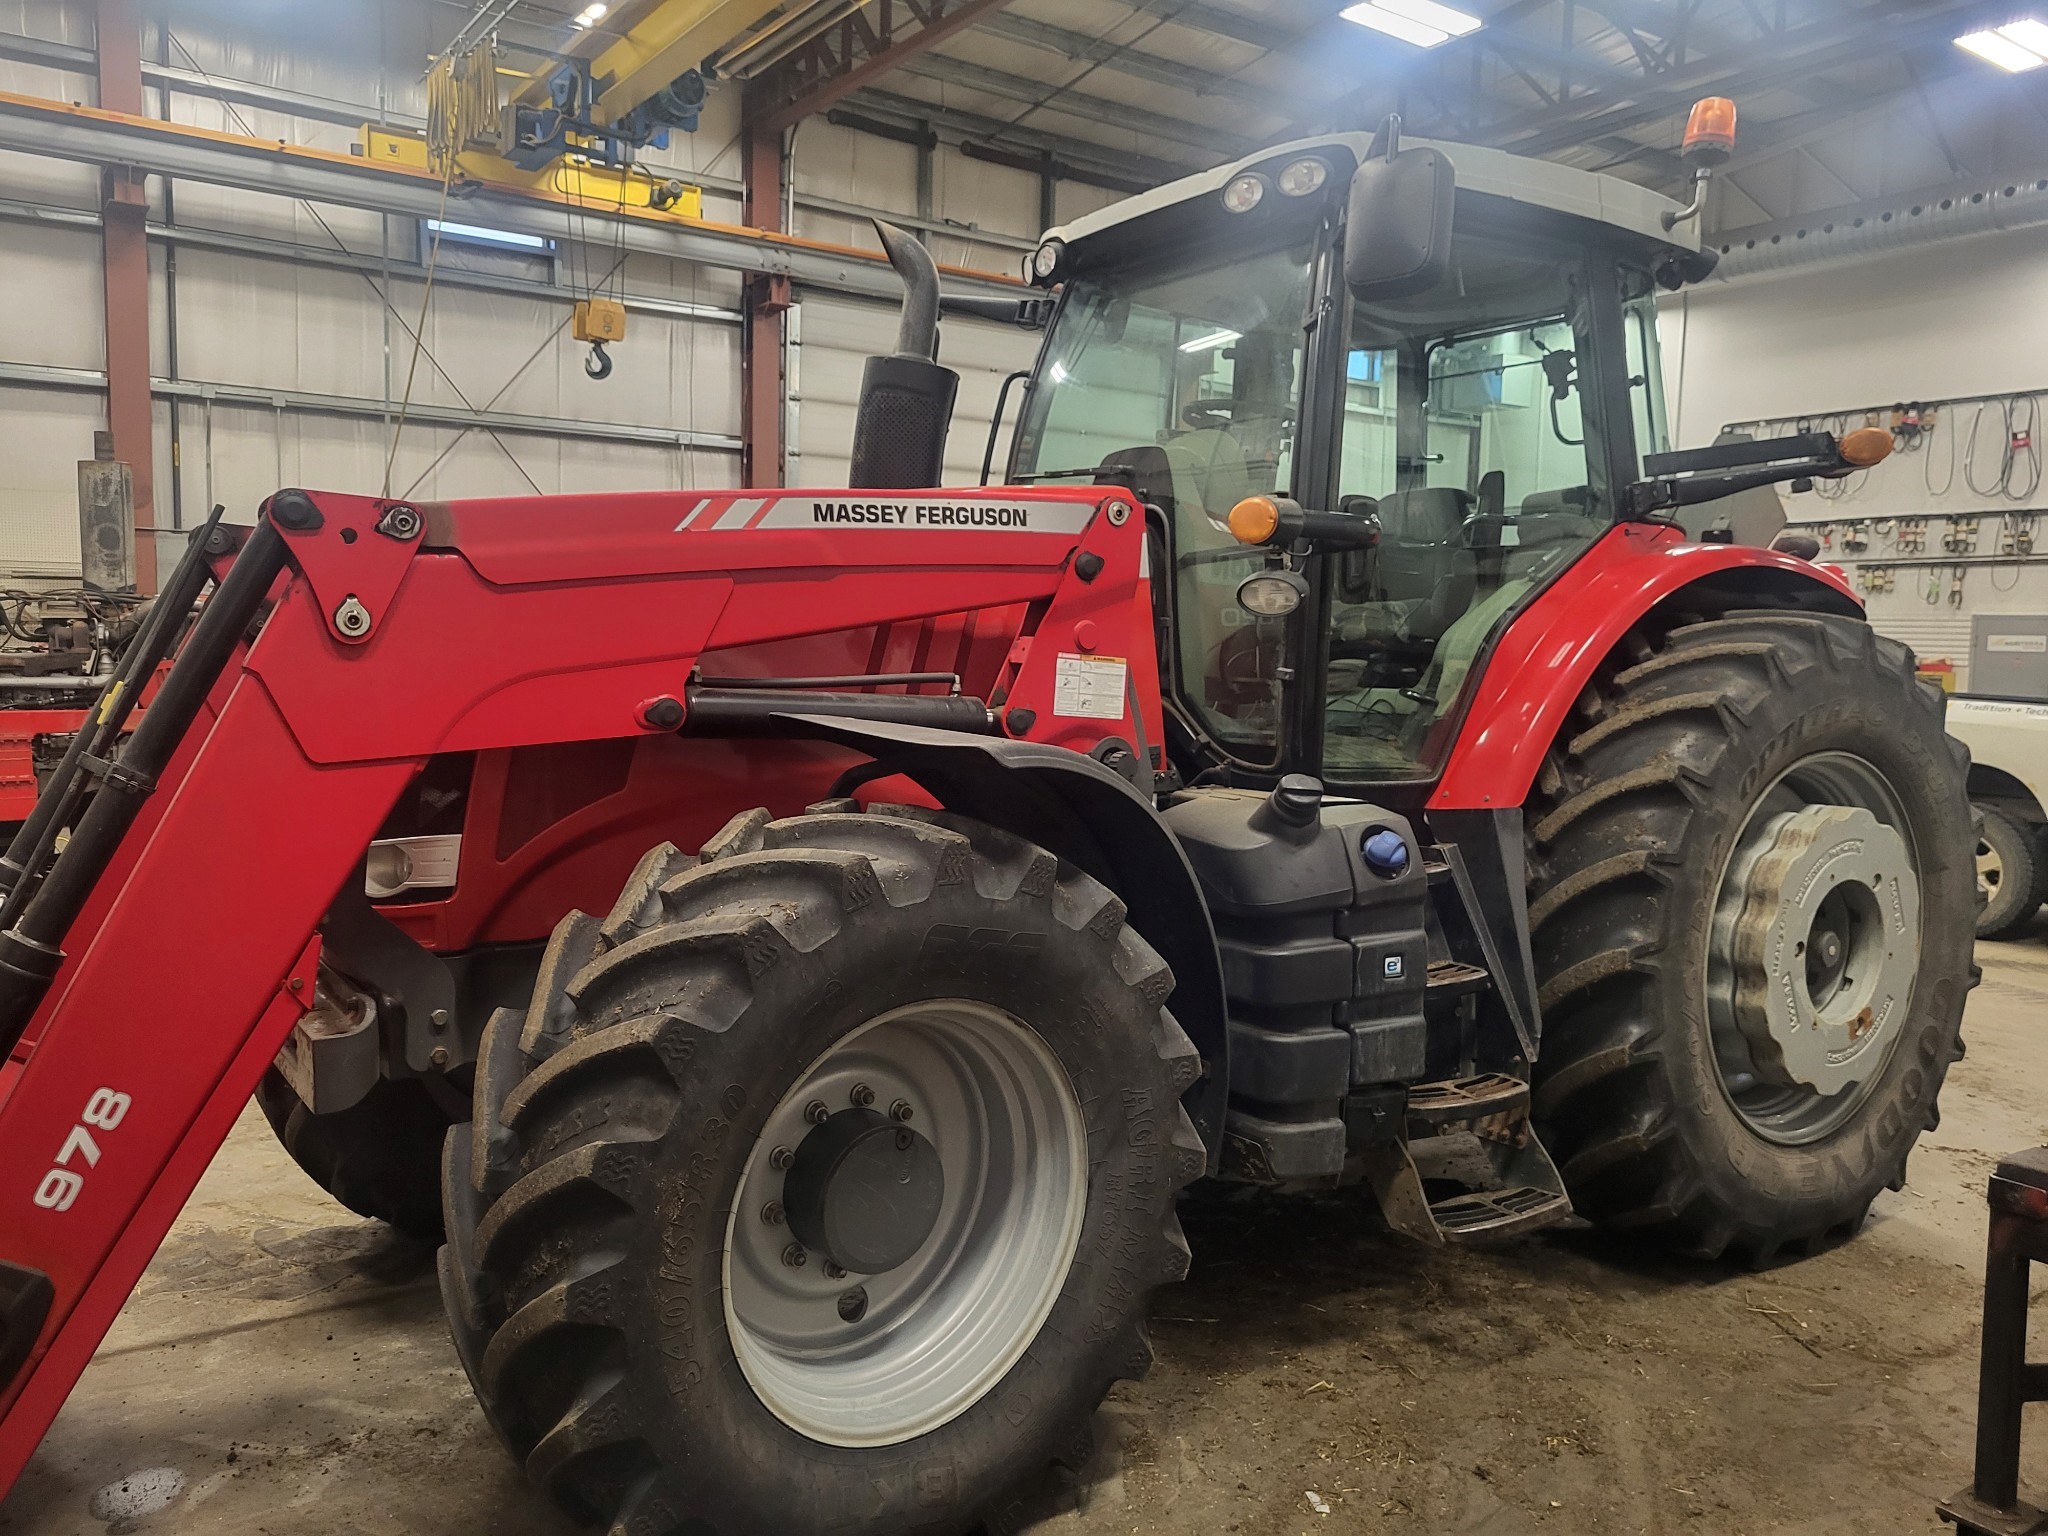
pixel 1449 352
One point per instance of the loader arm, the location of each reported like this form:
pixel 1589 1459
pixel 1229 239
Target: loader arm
pixel 478 625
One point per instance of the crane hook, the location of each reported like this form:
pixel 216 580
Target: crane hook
pixel 599 364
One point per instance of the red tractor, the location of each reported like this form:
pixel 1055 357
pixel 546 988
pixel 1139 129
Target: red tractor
pixel 1325 763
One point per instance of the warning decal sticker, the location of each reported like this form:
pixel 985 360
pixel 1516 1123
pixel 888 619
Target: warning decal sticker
pixel 1089 687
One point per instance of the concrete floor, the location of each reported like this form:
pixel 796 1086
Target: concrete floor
pixel 283 1369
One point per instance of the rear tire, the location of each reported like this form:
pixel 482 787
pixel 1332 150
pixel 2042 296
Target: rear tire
pixel 604 1203
pixel 2009 875
pixel 1679 744
pixel 379 1157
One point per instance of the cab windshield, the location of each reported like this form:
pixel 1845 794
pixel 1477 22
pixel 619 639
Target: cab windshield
pixel 1469 415
pixel 1191 378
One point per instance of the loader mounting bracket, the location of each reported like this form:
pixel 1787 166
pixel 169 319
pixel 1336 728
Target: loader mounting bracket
pixel 413 985
pixel 354 553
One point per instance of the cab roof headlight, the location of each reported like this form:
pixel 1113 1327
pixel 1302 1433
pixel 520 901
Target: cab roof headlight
pixel 1047 260
pixel 1303 176
pixel 1245 192
pixel 1272 594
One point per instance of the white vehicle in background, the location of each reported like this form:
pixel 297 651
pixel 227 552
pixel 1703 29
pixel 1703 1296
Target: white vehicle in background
pixel 2008 742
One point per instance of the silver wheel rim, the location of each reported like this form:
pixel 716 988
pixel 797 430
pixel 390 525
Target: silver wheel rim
pixel 1990 869
pixel 931 1337
pixel 1814 948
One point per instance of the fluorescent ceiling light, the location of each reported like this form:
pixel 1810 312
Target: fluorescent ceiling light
pixel 483 236
pixel 1421 22
pixel 2030 34
pixel 2019 47
pixel 590 16
pixel 1429 14
pixel 1212 341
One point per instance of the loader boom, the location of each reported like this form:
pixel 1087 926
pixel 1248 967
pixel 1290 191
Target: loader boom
pixel 487 624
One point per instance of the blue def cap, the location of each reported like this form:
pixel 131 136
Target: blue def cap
pixel 1386 852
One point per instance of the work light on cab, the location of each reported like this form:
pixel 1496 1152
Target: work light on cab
pixel 1046 261
pixel 1272 594
pixel 1244 193
pixel 1303 176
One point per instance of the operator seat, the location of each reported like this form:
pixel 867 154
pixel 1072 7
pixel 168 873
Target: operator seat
pixel 1421 534
pixel 1428 567
pixel 1210 472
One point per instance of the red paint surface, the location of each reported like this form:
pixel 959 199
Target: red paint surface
pixel 1548 654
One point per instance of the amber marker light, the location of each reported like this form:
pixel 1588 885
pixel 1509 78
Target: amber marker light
pixel 1710 131
pixel 1254 520
pixel 1863 447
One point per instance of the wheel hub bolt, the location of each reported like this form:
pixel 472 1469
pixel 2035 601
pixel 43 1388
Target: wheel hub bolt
pixel 794 1256
pixel 853 1305
pixel 900 1110
pixel 833 1271
pixel 862 1096
pixel 780 1159
pixel 816 1112
pixel 772 1213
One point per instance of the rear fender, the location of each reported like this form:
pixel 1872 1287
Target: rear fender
pixel 1094 818
pixel 1549 653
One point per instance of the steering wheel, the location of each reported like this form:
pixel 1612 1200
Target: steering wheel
pixel 1220 414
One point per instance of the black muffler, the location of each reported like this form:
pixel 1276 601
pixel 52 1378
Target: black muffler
pixel 906 398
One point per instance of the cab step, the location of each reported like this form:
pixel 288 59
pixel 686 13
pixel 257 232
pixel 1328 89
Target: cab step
pixel 1453 979
pixel 1471 1169
pixel 1496 1214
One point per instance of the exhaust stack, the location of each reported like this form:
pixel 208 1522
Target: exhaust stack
pixel 906 398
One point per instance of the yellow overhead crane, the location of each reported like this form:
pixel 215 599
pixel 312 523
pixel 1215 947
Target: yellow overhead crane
pixel 627 75
pixel 638 48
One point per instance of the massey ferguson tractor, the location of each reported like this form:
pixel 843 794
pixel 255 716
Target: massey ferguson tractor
pixel 798 944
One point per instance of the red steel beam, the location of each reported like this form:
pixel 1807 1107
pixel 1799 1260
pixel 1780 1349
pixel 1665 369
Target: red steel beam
pixel 765 299
pixel 125 265
pixel 898 49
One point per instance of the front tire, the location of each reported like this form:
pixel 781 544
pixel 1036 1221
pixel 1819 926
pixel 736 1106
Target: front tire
pixel 641 1273
pixel 1693 1083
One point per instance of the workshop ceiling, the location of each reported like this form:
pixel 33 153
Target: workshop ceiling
pixel 1843 102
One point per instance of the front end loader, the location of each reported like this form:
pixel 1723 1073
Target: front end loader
pixel 797 945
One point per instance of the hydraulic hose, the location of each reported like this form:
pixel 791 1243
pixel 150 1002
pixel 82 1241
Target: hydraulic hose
pixel 30 848
pixel 29 951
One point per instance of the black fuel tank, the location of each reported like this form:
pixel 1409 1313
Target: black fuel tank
pixel 1319 912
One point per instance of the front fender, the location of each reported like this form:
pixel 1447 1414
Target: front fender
pixel 1092 817
pixel 1548 655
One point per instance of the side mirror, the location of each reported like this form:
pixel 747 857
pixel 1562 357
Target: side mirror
pixel 1397 225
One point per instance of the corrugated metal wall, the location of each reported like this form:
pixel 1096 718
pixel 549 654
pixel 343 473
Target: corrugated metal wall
pixel 300 301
